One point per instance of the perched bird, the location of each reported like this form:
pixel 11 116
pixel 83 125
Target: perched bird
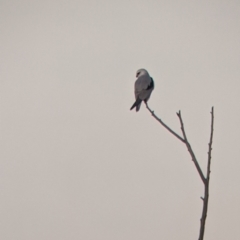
pixel 143 88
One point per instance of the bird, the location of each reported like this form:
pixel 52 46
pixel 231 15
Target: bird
pixel 143 88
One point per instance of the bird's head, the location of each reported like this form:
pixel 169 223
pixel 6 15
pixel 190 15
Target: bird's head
pixel 141 72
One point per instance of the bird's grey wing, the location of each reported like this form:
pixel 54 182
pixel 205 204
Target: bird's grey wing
pixel 143 87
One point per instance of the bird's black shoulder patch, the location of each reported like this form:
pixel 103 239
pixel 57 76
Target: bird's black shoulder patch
pixel 151 86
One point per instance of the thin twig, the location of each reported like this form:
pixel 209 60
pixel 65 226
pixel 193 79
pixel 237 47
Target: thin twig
pixel 194 159
pixel 164 125
pixel 210 145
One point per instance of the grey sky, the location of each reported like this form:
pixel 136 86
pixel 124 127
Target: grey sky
pixel 75 162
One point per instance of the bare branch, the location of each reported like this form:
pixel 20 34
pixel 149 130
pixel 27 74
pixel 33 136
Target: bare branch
pixel 164 125
pixel 194 159
pixel 210 145
pixel 206 197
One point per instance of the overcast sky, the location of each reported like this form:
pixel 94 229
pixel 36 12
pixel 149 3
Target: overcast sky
pixel 75 163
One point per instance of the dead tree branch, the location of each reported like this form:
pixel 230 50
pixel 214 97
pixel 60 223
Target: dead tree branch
pixel 204 179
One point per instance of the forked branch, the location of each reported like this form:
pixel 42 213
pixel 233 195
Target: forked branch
pixel 204 179
pixel 164 125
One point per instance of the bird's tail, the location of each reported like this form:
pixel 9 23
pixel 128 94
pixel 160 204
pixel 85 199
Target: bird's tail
pixel 137 104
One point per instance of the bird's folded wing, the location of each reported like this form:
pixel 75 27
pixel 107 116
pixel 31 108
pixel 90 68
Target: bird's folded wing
pixel 141 87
